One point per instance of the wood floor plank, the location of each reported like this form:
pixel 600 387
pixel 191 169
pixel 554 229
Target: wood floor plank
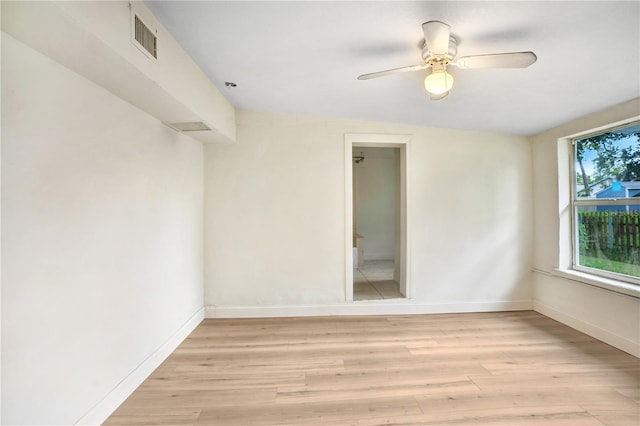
pixel 618 418
pixel 630 392
pixel 528 416
pixel 299 414
pixel 195 398
pixel 545 379
pixel 336 391
pixel 166 416
pixel 502 368
pixel 595 399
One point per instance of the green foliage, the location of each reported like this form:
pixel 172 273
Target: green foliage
pixel 610 238
pixel 622 164
pixel 584 239
pixel 630 157
pixel 579 179
pixel 610 265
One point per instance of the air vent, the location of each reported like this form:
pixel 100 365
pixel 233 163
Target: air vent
pixel 143 36
pixel 146 37
pixel 195 126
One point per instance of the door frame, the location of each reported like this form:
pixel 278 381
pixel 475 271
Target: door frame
pixel 379 140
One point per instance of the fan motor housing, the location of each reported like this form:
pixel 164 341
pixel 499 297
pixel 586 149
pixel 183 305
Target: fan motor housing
pixel 453 50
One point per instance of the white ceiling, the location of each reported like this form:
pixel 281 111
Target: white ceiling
pixel 303 57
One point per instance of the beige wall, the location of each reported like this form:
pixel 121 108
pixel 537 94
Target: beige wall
pixel 275 216
pixel 101 239
pixel 609 316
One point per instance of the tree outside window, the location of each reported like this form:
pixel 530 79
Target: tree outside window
pixel 607 203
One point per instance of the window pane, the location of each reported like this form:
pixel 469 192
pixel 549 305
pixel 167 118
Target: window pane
pixel 608 165
pixel 609 238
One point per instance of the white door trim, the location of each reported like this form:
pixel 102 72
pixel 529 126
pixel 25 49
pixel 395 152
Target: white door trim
pixel 381 141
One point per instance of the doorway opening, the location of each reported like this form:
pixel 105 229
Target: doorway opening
pixel 377 255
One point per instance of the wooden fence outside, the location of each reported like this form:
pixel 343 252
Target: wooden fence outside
pixel 614 234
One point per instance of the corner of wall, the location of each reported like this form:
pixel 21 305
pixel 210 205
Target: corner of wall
pixel 576 304
pixel 101 411
pixel 172 88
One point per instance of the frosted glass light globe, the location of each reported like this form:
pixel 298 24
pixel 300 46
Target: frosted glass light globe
pixel 438 82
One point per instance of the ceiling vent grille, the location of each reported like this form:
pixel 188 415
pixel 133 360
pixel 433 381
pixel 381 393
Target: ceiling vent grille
pixel 196 126
pixel 144 37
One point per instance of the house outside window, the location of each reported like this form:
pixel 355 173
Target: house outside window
pixel 606 203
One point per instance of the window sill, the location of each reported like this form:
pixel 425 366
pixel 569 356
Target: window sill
pixel 596 281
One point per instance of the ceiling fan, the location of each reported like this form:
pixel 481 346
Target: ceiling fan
pixel 439 51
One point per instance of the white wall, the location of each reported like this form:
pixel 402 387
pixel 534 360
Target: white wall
pixel 101 239
pixel 275 217
pixel 609 316
pixel 376 192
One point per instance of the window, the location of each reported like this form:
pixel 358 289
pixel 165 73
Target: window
pixel 606 203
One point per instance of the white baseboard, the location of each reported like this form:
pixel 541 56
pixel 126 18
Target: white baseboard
pixel 371 307
pixel 592 330
pixel 98 414
pixel 379 256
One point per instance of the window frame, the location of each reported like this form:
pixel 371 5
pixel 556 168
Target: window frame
pixel 581 202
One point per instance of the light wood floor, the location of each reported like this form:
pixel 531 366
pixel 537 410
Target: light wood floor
pixel 508 368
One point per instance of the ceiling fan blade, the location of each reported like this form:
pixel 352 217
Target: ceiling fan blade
pixel 498 60
pixel 436 37
pixel 392 71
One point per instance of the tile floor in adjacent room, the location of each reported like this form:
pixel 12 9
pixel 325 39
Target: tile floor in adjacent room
pixel 374 281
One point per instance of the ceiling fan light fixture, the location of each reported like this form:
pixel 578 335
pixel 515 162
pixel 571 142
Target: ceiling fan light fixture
pixel 439 81
pixel 439 51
